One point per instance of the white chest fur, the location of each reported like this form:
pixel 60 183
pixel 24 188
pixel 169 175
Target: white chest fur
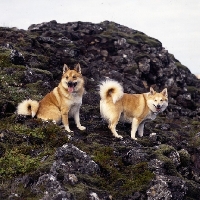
pixel 150 116
pixel 75 104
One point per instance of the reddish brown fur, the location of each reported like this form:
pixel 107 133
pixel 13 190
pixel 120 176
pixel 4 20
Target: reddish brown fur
pixel 133 108
pixel 61 103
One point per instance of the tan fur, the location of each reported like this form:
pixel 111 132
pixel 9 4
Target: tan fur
pixel 62 102
pixel 133 108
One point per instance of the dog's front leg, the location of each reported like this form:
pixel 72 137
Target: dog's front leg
pixel 135 124
pixel 65 120
pixel 77 120
pixel 141 129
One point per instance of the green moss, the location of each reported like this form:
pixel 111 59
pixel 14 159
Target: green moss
pixel 184 157
pixel 194 142
pixel 141 37
pixel 10 81
pixel 140 176
pixel 23 146
pixel 131 69
pixel 145 141
pixel 165 149
pixel 195 122
pixel 180 66
pixel 115 176
pixel 162 154
pixel 80 192
pixel 132 42
pixel 132 38
pixel 4 58
pixel 192 89
pixel 33 87
pixel 14 163
pixel 41 71
pixel 140 56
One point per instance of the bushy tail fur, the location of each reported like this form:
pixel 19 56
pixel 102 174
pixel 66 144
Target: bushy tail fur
pixel 111 88
pixel 28 107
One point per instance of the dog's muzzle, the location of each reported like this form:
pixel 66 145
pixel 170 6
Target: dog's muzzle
pixel 71 84
pixel 158 107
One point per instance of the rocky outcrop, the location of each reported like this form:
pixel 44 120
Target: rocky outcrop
pixel 40 160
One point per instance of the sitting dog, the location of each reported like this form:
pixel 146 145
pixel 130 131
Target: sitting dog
pixel 62 102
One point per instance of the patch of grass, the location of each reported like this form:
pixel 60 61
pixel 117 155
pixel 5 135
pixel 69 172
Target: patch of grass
pixel 162 154
pixel 4 57
pixel 141 37
pixel 80 192
pixel 27 144
pixel 140 56
pixel 184 157
pixel 180 66
pixel 195 122
pixel 194 142
pixel 192 89
pixel 115 176
pixel 14 163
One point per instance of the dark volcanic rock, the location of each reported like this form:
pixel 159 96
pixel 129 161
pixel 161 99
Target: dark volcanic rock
pixel 39 160
pixel 69 161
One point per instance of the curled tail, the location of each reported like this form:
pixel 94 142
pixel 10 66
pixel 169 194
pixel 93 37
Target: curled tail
pixel 28 107
pixel 111 88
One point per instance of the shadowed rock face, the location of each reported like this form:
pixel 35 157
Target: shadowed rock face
pixel 39 160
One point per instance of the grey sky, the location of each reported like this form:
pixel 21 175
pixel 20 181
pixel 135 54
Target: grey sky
pixel 176 23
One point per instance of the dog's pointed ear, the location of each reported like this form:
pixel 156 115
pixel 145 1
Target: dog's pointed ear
pixel 164 92
pixel 65 68
pixel 152 91
pixel 78 68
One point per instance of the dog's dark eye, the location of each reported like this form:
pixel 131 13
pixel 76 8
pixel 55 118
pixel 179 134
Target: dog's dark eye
pixel 74 77
pixel 67 77
pixel 161 100
pixel 155 99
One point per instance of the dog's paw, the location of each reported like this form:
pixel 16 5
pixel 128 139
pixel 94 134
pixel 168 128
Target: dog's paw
pixel 119 136
pixel 82 128
pixel 68 129
pixel 134 138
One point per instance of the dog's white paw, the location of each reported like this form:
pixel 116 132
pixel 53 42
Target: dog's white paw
pixel 119 136
pixel 68 129
pixel 82 128
pixel 134 138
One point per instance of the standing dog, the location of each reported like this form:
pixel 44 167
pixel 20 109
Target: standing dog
pixel 116 105
pixel 61 103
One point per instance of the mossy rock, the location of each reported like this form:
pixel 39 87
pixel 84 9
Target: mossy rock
pixel 184 157
pixel 5 57
pixel 182 67
pixel 115 176
pixel 162 154
pixel 23 145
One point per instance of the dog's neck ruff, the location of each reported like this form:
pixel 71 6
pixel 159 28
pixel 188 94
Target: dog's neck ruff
pixel 154 113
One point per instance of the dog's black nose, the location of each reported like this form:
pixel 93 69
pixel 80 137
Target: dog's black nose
pixel 71 84
pixel 158 106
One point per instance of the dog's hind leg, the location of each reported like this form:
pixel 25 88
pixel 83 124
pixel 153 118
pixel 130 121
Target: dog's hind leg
pixel 112 126
pixel 141 129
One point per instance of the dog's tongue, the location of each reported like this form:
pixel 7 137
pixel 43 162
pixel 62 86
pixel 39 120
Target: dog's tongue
pixel 70 89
